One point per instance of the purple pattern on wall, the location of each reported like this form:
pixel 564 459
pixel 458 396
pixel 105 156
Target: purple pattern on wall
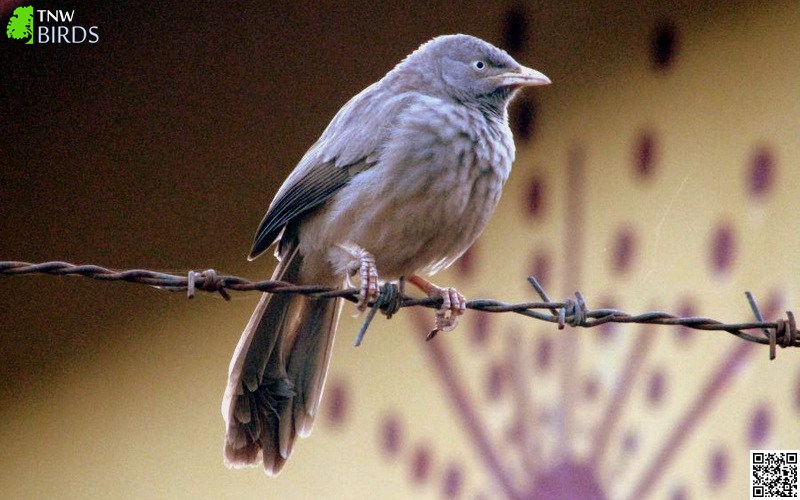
pixel 541 267
pixel 686 308
pixel 718 468
pixel 574 218
pixel 655 388
pixel 761 173
pixel 624 250
pixel 391 435
pixel 591 388
pixel 664 45
pixel 760 426
pixel 720 380
pixel 607 330
pixel 723 248
pixel 679 494
pixel 536 197
pixel 421 464
pixel 457 393
pixel 645 155
pixel 495 381
pixel 337 402
pixel 620 394
pixel 544 354
pixel 453 480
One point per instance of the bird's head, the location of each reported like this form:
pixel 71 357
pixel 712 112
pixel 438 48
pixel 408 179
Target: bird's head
pixel 468 69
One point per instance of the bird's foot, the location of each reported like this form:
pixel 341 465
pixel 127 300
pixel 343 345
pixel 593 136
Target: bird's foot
pixel 370 288
pixel 453 304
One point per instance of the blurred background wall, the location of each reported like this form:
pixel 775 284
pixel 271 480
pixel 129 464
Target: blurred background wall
pixel 657 172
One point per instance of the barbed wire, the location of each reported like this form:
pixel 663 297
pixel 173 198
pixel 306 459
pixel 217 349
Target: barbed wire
pixel 572 311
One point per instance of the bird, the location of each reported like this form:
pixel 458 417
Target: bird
pixel 401 183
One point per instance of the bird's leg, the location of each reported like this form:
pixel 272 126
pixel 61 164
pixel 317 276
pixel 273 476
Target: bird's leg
pixel 452 302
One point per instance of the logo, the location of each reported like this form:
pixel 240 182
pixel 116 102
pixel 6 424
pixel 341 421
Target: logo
pixel 20 26
pixel 28 26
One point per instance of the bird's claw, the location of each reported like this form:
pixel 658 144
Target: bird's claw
pixel 370 288
pixel 453 306
pixel 452 303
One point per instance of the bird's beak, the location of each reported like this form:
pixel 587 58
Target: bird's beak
pixel 522 77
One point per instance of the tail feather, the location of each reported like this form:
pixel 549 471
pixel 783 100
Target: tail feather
pixel 307 369
pixel 308 366
pixel 277 373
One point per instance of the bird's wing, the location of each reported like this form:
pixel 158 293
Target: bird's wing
pixel 349 145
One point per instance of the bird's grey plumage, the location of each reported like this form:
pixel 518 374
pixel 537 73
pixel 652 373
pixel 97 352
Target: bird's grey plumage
pixel 408 170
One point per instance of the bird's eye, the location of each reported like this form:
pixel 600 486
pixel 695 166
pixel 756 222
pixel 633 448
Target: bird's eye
pixel 479 65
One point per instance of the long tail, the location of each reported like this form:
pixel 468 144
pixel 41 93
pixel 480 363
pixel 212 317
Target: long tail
pixel 277 373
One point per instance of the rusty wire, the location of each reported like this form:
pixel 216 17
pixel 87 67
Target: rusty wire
pixel 572 311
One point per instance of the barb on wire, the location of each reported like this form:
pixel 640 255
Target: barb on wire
pixel 573 312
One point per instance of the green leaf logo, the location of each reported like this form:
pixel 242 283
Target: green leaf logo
pixel 20 26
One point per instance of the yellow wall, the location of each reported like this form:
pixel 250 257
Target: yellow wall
pixel 161 146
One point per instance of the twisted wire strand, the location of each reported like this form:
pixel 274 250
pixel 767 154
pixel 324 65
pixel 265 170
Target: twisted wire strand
pixel 572 312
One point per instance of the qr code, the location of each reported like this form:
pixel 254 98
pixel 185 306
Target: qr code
pixel 773 474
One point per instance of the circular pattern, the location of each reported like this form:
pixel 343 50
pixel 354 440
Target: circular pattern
pixel 607 330
pixel 337 402
pixel 663 45
pixel 453 481
pixel 723 248
pixel 760 426
pixel 761 172
pixel 686 309
pixel 718 468
pixel 655 387
pixel 495 381
pixel 645 155
pixel 535 197
pixel 544 355
pixel 624 250
pixel 515 29
pixel 421 464
pixel 391 436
